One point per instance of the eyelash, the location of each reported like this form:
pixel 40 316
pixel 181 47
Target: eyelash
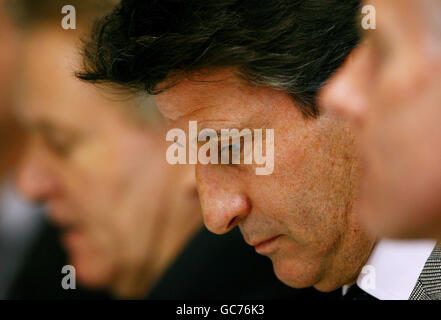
pixel 230 146
pixel 61 149
pixel 225 147
pixel 236 148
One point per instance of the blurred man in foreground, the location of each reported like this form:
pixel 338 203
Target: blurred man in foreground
pixel 96 163
pixel 19 222
pixel 390 89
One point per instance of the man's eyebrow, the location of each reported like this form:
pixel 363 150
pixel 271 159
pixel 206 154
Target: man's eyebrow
pixel 47 128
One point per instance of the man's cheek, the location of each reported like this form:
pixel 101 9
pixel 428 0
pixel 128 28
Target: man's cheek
pixel 95 168
pixel 92 156
pixel 396 83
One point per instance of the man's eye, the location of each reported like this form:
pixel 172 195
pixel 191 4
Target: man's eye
pixel 231 148
pixel 230 154
pixel 60 148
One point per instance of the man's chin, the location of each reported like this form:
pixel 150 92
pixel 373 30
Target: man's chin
pixel 91 273
pixel 294 274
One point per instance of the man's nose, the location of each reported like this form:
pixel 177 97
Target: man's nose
pixel 223 205
pixel 34 177
pixel 345 94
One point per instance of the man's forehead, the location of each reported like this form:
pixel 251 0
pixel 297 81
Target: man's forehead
pixel 195 92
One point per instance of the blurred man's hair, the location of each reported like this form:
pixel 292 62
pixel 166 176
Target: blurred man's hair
pixel 32 14
pixel 289 45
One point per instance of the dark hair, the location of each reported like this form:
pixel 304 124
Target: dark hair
pixel 290 45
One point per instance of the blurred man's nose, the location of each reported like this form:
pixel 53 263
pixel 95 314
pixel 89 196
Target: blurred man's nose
pixel 345 94
pixel 223 204
pixel 34 176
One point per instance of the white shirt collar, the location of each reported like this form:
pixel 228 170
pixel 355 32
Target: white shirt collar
pixel 393 268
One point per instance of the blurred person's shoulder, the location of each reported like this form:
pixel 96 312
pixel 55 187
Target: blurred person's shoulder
pixel 20 222
pixel 39 273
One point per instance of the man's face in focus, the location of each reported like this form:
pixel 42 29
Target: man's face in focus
pixel 102 175
pixel 301 215
pixel 390 90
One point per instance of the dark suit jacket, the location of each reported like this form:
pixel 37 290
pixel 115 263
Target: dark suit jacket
pixel 40 276
pixel 225 267
pixel 210 267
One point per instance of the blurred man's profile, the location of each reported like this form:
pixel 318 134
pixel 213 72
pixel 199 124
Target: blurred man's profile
pixel 390 90
pixel 97 165
pixel 19 222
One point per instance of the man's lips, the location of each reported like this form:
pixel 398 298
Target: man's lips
pixel 264 246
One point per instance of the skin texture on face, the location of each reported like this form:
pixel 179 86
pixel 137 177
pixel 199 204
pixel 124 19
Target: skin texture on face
pixel 390 91
pixel 124 212
pixel 307 202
